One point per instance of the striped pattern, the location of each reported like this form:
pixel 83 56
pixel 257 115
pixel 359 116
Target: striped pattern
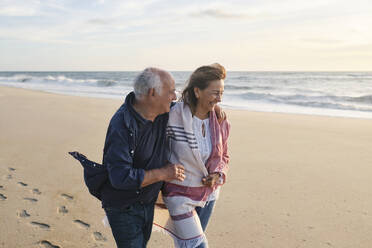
pixel 193 193
pixel 183 216
pixel 178 134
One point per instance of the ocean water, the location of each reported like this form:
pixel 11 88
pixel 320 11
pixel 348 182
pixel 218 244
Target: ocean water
pixel 343 94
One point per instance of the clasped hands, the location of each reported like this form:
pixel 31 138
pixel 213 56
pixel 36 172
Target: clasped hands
pixel 211 180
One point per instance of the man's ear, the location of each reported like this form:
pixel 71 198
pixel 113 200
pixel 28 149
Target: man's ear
pixel 151 92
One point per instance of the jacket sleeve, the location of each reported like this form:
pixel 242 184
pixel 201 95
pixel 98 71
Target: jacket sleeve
pixel 119 161
pixel 223 166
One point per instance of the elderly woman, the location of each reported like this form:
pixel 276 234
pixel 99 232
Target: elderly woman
pixel 198 142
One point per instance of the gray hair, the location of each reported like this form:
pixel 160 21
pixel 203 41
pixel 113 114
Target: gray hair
pixel 146 80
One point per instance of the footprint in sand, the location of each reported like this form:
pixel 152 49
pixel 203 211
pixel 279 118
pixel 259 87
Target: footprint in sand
pixel 30 199
pixel 66 196
pixel 8 177
pixel 62 210
pixel 47 244
pixel 36 191
pixel 2 197
pixel 98 236
pixel 40 225
pixel 1 187
pixel 22 184
pixel 11 169
pixel 23 214
pixel 82 224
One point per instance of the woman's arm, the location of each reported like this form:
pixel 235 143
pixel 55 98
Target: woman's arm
pixel 219 174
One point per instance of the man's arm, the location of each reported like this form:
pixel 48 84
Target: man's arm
pixel 167 173
pixel 221 115
pixel 123 175
pixel 119 161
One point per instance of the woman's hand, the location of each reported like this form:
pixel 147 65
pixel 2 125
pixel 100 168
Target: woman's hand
pixel 221 115
pixel 211 180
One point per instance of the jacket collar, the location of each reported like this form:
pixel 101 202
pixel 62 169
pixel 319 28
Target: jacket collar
pixel 129 113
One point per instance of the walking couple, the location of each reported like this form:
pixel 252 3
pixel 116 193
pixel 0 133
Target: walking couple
pixel 154 143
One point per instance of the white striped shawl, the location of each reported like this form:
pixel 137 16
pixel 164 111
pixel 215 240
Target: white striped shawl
pixel 181 198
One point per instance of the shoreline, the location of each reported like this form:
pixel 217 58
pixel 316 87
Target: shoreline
pixel 228 108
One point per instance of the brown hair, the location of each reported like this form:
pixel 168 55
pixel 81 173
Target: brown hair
pixel 201 78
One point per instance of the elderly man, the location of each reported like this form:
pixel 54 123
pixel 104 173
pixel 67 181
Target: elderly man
pixel 136 159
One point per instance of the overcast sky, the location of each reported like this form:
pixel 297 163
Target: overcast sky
pixel 182 35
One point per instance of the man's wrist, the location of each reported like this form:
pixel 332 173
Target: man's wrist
pixel 152 176
pixel 158 174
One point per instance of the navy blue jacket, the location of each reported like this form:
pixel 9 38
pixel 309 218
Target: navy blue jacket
pixel 133 145
pixel 95 175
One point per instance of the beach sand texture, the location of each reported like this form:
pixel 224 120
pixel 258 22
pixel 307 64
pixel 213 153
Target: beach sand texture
pixel 294 180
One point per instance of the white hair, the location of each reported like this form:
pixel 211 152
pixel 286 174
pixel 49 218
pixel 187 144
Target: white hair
pixel 146 80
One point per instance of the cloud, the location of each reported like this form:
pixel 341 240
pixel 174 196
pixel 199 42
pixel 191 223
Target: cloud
pixel 322 41
pixel 359 49
pixel 17 11
pixel 220 14
pixel 131 8
pixel 99 21
pixel 30 8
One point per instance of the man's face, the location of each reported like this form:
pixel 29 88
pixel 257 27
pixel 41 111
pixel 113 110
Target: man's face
pixel 167 95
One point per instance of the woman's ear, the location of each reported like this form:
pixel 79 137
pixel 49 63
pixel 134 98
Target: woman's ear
pixel 197 92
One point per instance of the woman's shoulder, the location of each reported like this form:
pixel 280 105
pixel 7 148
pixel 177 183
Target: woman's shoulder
pixel 180 113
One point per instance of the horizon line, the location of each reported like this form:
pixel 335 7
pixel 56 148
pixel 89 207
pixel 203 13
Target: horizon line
pixel 185 70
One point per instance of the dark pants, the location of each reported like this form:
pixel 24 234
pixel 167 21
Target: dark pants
pixel 131 226
pixel 204 216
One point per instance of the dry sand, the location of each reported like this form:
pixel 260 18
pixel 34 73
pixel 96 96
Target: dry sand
pixel 295 180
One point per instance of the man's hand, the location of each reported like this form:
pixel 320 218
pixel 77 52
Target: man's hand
pixel 172 172
pixel 211 179
pixel 221 115
pixel 167 173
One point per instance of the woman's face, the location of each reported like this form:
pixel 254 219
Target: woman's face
pixel 210 96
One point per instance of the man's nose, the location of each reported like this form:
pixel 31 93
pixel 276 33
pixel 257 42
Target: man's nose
pixel 219 98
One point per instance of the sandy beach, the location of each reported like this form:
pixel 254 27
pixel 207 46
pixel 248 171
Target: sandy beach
pixel 295 180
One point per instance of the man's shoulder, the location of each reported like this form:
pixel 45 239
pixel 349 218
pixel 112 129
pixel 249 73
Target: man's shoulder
pixel 121 117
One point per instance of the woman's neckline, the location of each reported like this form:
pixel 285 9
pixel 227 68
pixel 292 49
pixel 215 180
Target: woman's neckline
pixel 200 119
